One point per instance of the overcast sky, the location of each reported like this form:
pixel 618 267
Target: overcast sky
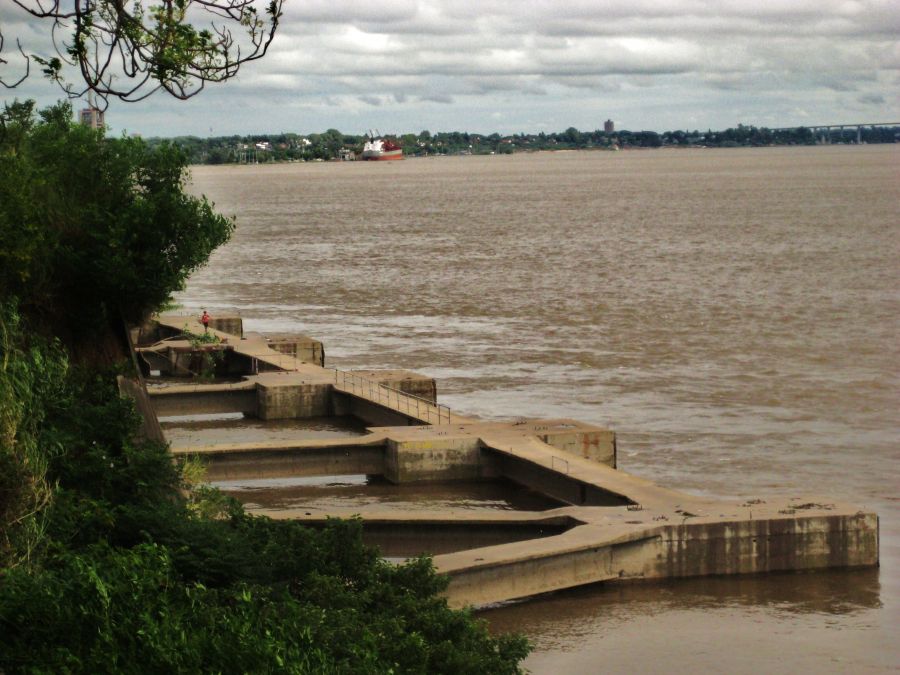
pixel 539 65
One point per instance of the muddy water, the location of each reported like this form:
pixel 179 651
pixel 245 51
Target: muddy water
pixel 733 315
pixel 350 494
pixel 200 430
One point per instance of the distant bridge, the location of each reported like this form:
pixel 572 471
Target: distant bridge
pixel 823 131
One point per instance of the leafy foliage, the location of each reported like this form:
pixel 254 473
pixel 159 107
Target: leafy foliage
pixel 95 228
pixel 127 50
pixel 106 565
pixel 30 387
pixel 134 577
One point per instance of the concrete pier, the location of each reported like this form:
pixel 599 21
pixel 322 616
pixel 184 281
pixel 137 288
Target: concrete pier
pixel 614 526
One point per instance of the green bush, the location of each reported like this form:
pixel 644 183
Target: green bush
pixel 107 563
pixel 94 229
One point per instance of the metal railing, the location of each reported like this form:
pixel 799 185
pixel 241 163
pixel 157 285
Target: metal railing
pixel 394 399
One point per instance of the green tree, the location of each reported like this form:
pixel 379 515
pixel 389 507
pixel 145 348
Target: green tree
pixel 106 564
pixel 95 230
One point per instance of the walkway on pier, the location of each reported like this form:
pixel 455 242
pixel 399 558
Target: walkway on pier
pixel 264 359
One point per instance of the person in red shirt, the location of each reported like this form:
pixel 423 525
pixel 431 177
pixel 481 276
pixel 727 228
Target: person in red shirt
pixel 204 319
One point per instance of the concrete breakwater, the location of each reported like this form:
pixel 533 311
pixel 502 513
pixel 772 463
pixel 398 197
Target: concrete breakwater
pixel 611 526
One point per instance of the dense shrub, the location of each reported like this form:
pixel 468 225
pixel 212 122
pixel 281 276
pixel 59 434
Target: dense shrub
pixel 136 577
pixel 107 563
pixel 94 229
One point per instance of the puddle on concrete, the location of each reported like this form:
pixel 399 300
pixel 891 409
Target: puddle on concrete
pixel 345 495
pixel 200 430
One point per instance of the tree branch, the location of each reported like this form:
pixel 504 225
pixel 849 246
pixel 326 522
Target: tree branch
pixel 129 52
pixel 3 62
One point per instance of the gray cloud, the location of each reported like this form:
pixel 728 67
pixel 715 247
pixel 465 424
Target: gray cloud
pixel 874 99
pixel 437 98
pixel 564 62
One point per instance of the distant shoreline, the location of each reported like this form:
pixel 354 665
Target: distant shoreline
pixel 334 145
pixel 542 151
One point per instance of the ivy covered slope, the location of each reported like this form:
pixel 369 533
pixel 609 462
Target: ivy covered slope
pixel 109 561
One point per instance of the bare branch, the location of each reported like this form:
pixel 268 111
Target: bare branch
pixel 3 62
pixel 121 51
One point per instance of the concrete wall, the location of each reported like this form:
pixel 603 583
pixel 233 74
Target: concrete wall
pixel 293 401
pixel 767 545
pixel 599 446
pixel 204 402
pixel 683 550
pixel 403 380
pixel 228 323
pixel 372 414
pixel 526 576
pixel 407 539
pixel 433 459
pixel 300 347
pixel 554 483
pixel 272 463
pixel 152 331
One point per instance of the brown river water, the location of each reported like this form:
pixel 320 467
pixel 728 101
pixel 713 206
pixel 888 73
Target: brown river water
pixel 733 314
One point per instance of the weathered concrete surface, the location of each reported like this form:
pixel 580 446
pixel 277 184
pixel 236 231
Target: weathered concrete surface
pixel 292 396
pixel 663 533
pixel 300 347
pixel 620 527
pixel 403 380
pixel 410 537
pixel 370 412
pixel 642 546
pixel 232 324
pixel 203 399
pixel 411 454
pixel 457 451
pixel 376 405
pixel 154 330
pixel 432 459
pixel 323 457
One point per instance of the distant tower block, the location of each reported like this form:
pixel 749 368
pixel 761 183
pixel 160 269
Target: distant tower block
pixel 609 127
pixel 91 116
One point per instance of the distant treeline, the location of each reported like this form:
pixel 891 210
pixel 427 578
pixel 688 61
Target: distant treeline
pixel 333 144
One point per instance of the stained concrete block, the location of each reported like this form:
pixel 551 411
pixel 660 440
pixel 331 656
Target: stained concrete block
pixel 598 445
pixel 204 399
pixel 277 401
pixel 403 380
pixel 228 323
pixel 433 459
pixel 279 462
pixel 373 414
pixel 767 545
pixel 301 347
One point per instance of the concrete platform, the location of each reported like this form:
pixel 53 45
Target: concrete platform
pixel 616 527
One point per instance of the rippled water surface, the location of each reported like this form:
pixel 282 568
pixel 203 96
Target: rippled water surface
pixel 200 430
pixel 329 495
pixel 733 314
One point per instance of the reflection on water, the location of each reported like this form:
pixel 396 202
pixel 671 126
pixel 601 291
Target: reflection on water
pixel 733 315
pixel 353 494
pixel 778 623
pixel 804 622
pixel 199 430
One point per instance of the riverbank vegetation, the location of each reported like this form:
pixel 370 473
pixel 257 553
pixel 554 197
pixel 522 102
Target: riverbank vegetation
pixel 113 559
pixel 332 144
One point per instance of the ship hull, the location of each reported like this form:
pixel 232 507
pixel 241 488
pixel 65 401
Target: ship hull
pixel 381 155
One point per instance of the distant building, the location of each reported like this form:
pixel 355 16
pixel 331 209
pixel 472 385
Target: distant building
pixel 609 127
pixel 92 117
